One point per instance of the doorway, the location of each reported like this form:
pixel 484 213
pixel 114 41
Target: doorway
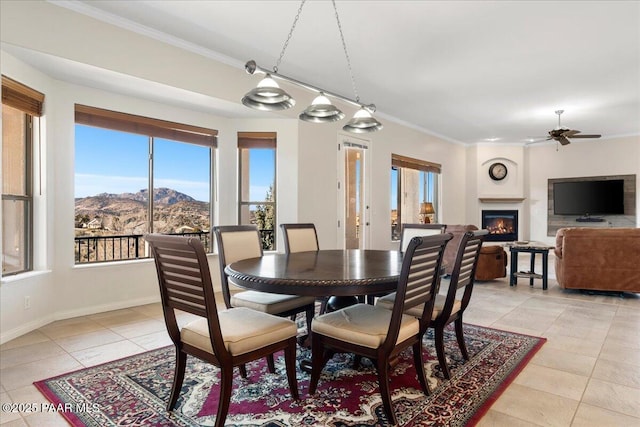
pixel 353 194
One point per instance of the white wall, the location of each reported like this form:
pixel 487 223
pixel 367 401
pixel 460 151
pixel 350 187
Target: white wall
pixel 581 158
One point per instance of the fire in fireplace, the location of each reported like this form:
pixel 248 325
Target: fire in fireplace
pixel 502 225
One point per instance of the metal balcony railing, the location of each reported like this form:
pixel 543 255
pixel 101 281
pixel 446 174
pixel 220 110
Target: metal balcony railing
pixel 93 249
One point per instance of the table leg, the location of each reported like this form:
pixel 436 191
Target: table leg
pixel 545 256
pixel 532 267
pixel 514 266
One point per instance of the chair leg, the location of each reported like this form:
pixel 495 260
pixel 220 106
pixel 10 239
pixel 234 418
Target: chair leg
pixel 323 305
pixel 439 338
pixel 460 338
pixel 271 364
pixel 243 370
pixel 417 360
pixel 290 363
pixel 357 360
pixel 310 312
pixel 317 362
pixel 226 382
pixel 383 382
pixel 178 378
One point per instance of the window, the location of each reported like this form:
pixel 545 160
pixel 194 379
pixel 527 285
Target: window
pixel 20 110
pixel 118 159
pixel 257 199
pixel 414 191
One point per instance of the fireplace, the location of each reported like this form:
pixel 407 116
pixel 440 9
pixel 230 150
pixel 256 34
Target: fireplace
pixel 502 225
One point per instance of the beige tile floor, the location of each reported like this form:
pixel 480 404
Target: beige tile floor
pixel 587 373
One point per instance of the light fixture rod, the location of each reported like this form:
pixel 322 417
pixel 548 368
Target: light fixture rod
pixel 251 67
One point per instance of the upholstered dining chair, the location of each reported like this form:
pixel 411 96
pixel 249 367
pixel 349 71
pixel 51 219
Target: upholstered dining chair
pixel 449 308
pixel 410 231
pixel 238 242
pixel 303 237
pixel 300 237
pixel 380 334
pixel 226 339
pixel 462 279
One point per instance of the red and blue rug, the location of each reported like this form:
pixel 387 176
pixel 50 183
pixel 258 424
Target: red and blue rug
pixel 133 391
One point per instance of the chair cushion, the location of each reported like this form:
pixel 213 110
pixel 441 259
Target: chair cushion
pixel 302 240
pixel 363 324
pixel 239 245
pixel 243 330
pixel 269 303
pixel 387 302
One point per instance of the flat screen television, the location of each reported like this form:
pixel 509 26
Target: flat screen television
pixel 604 197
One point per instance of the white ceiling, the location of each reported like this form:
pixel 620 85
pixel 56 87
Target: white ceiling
pixel 469 71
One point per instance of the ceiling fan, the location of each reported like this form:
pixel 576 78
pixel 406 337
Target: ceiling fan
pixel 563 133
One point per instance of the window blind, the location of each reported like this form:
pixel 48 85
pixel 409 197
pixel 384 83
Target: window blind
pixel 21 97
pixel 411 163
pixel 98 117
pixel 257 139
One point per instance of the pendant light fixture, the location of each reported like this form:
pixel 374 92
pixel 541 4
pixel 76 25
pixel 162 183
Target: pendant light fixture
pixel 321 110
pixel 362 122
pixel 268 96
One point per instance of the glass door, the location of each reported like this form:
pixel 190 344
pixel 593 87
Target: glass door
pixel 353 199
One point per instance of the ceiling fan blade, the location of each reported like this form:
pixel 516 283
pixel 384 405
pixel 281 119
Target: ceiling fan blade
pixel 562 140
pixel 586 136
pixel 570 133
pixel 539 139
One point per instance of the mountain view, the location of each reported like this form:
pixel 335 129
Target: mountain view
pixel 126 214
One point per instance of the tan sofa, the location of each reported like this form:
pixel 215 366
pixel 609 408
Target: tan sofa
pixel 603 259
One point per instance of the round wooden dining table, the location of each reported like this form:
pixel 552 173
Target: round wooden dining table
pixel 323 273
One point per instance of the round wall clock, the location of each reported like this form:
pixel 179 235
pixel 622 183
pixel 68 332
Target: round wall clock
pixel 498 171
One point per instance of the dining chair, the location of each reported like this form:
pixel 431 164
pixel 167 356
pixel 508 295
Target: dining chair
pixel 410 231
pixel 303 237
pixel 448 308
pixel 380 334
pixel 300 237
pixel 238 242
pixel 226 339
pixel 452 309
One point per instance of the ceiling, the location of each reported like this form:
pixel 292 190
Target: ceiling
pixel 467 71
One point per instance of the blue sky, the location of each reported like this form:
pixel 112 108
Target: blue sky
pixel 107 161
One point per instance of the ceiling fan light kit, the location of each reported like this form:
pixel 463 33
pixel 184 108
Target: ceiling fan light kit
pixel 268 96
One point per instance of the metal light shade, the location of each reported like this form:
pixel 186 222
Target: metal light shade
pixel 268 96
pixel 426 208
pixel 362 122
pixel 321 111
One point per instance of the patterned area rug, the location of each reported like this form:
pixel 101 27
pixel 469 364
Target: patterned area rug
pixel 134 390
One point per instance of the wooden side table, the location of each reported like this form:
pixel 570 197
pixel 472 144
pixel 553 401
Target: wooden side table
pixel 532 248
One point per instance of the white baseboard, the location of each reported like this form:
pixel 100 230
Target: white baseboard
pixel 68 314
pixel 25 329
pixel 84 311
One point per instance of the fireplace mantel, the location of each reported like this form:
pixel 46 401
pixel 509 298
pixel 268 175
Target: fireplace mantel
pixel 501 199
